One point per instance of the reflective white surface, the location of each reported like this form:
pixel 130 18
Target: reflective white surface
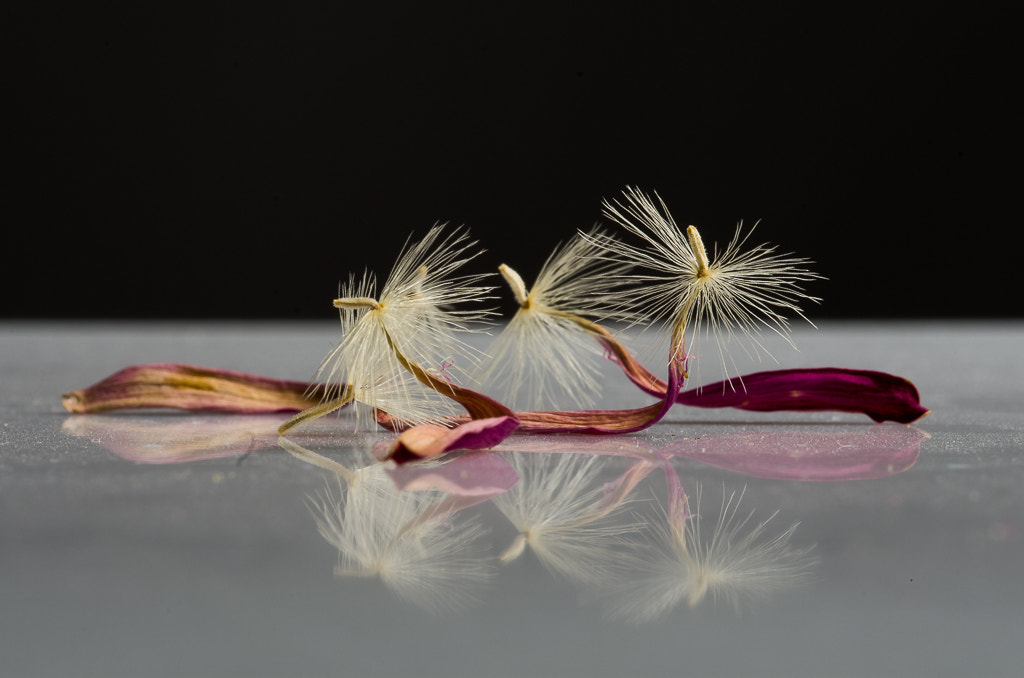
pixel 155 544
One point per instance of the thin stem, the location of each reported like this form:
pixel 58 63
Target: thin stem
pixel 316 411
pixel 476 404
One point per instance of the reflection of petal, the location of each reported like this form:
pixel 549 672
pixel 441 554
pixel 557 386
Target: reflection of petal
pixel 424 555
pixel 872 452
pixel 621 446
pixel 565 514
pixel 738 562
pixel 474 474
pixel 175 439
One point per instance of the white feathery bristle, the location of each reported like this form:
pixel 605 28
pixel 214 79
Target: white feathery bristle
pixel 722 302
pixel 543 357
pixel 416 308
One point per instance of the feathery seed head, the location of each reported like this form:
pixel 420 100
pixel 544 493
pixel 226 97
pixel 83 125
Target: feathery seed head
pixel 416 312
pixel 727 297
pixel 545 354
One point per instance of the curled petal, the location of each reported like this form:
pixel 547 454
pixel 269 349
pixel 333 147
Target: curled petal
pixel 428 440
pixel 596 422
pixel 188 387
pixel 881 396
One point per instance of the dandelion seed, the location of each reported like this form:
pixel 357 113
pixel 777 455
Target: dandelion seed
pixel 547 353
pixel 416 315
pixel 719 299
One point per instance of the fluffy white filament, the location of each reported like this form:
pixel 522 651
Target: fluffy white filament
pixel 722 300
pixel 417 310
pixel 543 357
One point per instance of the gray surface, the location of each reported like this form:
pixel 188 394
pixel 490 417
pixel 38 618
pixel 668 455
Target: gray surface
pixel 114 565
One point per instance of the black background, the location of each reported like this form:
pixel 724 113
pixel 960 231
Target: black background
pixel 240 162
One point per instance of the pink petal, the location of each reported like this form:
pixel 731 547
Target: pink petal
pixel 426 440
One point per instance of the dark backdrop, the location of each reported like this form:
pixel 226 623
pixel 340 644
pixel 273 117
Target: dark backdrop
pixel 238 163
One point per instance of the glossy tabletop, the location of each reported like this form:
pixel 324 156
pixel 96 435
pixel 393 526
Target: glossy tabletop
pixel 718 543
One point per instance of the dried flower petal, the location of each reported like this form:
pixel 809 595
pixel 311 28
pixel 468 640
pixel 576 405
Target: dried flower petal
pixel 429 440
pixel 881 396
pixel 188 387
pixel 545 355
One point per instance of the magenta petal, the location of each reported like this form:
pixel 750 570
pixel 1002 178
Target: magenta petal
pixel 420 442
pixel 881 396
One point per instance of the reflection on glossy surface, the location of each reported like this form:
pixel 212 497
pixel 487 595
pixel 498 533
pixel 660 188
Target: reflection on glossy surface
pixel 639 558
pixel 565 514
pixel 738 559
pixel 173 438
pixel 419 546
pixel 111 567
pixel 640 554
pixel 873 452
pixel 830 454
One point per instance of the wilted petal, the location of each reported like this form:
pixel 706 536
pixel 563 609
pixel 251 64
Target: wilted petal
pixel 604 421
pixel 428 440
pixel 188 387
pixel 591 421
pixel 881 396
